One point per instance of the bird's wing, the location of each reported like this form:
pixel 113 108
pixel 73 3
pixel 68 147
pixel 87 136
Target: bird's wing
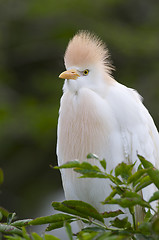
pixel 137 128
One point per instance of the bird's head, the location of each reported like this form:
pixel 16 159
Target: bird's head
pixel 86 61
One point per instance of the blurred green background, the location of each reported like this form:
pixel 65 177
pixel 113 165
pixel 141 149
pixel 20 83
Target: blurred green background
pixel 33 38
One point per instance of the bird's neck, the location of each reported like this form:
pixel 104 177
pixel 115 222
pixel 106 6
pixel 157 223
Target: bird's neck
pixel 100 87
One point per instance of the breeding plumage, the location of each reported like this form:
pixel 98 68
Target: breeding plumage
pixel 99 115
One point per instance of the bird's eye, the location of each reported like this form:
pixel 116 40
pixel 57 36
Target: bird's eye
pixel 85 72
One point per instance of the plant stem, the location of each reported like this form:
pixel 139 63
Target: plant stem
pixel 100 225
pixel 134 221
pixel 133 217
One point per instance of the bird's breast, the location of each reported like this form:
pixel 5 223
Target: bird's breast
pixel 85 123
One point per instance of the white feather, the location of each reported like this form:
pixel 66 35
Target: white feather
pixel 99 115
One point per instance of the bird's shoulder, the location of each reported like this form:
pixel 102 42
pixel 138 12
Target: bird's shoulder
pixel 124 100
pixel 136 125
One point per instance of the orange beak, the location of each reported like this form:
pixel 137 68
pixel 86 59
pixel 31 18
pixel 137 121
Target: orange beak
pixel 70 74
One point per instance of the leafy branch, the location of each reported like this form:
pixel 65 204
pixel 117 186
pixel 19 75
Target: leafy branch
pixel 126 186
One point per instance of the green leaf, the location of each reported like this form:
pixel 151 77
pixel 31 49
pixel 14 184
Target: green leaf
pixel 154 175
pixel 92 156
pixel 1 176
pixel 140 167
pixel 86 235
pixel 90 174
pixel 103 164
pixel 25 234
pixel 128 202
pixel 130 194
pixel 112 213
pixel 145 228
pixel 154 197
pixel 144 182
pixel 124 170
pixel 155 225
pixel 69 230
pixel 55 225
pixel 120 190
pixel 70 164
pixel 78 208
pixel 115 180
pixel 136 176
pixel 59 217
pixel 14 237
pixel 55 221
pixel 10 217
pixel 151 170
pixel 87 168
pixel 121 223
pixel 21 223
pixel 59 224
pixel 144 162
pixel 142 179
pixel 9 229
pixel 36 236
pixel 111 195
pixel 109 236
pixel 148 215
pixel 50 237
pixel 4 212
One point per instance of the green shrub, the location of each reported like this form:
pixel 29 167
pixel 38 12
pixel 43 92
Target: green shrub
pixel 125 193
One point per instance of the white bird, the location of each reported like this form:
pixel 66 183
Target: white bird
pixel 101 116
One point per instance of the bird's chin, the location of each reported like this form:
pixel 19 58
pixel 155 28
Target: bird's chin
pixel 72 85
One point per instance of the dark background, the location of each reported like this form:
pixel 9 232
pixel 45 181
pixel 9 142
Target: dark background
pixel 33 38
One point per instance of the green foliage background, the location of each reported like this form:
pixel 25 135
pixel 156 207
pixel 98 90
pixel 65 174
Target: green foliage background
pixel 33 38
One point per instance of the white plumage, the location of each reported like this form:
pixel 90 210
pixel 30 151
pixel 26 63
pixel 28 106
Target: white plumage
pixel 101 116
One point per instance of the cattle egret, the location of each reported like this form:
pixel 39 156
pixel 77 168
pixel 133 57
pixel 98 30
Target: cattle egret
pixel 101 116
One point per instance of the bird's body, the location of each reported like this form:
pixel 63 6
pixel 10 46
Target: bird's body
pixel 101 116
